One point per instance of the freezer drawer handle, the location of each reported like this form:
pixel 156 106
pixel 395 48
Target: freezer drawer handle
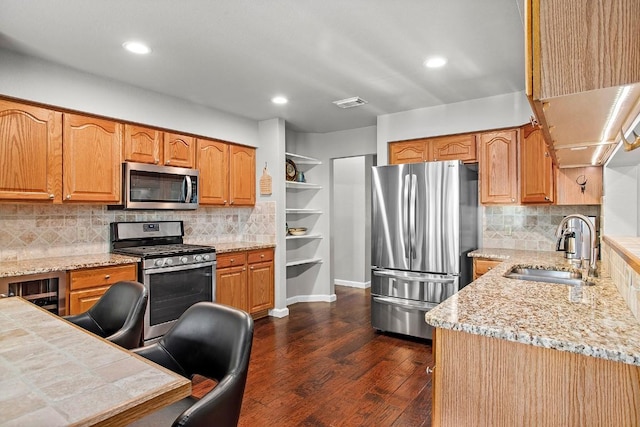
pixel 408 276
pixel 400 303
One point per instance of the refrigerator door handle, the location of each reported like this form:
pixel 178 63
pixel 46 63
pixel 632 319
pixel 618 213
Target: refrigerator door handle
pixel 414 276
pixel 412 214
pixel 398 302
pixel 405 217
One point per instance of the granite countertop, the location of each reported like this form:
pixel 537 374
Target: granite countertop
pixel 541 314
pixel 76 262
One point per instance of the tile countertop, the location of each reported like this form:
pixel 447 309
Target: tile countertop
pixel 541 314
pixel 76 262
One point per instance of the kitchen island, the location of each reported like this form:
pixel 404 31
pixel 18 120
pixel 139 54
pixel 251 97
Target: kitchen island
pixel 513 352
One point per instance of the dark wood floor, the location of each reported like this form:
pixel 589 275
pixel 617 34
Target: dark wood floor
pixel 324 365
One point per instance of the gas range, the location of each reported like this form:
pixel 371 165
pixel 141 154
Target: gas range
pixel 159 244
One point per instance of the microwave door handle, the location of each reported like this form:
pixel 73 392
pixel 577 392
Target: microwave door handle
pixel 187 197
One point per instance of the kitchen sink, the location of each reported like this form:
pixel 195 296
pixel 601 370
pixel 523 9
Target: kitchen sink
pixel 548 276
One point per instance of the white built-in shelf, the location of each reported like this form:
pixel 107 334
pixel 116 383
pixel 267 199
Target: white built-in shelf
pixel 302 211
pixel 302 160
pixel 303 185
pixel 305 236
pixel 304 261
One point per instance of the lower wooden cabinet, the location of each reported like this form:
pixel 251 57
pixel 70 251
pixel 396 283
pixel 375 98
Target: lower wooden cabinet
pixel 86 286
pixel 245 280
pixel 483 381
pixel 483 265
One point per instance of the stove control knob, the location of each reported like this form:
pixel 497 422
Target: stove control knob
pixel 184 259
pixel 169 261
pixel 158 262
pixel 206 257
pixel 198 258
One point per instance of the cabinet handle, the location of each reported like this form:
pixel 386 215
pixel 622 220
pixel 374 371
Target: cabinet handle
pixel 231 202
pixel 244 269
pixel 156 161
pixel 546 154
pixel 68 196
pixel 224 201
pixel 430 370
pixel 51 196
pixel 107 276
pixel 489 268
pixel 546 198
pixel 167 162
pixel 513 200
pixel 262 256
pixel 231 261
pixel 251 268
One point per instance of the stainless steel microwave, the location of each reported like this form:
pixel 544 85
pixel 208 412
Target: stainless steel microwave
pixel 148 186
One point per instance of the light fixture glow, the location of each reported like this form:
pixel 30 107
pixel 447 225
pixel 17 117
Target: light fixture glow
pixel 613 116
pixel 279 100
pixel 435 62
pixel 136 47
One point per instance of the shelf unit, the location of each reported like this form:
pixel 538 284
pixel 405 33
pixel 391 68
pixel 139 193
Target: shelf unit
pixel 302 252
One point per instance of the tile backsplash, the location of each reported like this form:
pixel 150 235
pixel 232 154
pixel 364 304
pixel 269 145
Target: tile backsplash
pixel 30 231
pixel 526 227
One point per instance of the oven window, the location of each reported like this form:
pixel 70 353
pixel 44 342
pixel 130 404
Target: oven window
pixel 171 293
pixel 156 187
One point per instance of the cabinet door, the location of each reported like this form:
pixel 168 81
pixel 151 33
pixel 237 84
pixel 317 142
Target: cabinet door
pixel 213 163
pixel 260 287
pixel 81 301
pixel 482 266
pixel 231 287
pixel 455 147
pixel 30 153
pixel 142 144
pixel 242 176
pixel 92 158
pixel 536 167
pixel 570 192
pixel 414 151
pixel 497 167
pixel 179 150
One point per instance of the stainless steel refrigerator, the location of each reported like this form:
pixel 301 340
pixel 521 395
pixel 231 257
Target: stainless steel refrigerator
pixel 424 223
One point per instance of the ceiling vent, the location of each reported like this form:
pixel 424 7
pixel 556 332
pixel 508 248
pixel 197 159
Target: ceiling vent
pixel 356 101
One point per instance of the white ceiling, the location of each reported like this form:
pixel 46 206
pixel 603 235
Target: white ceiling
pixel 235 55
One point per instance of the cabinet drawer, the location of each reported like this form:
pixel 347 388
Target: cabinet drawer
pixel 481 266
pixel 232 259
pixel 102 276
pixel 260 256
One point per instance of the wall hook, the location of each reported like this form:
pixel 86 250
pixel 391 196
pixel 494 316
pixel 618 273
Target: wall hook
pixel 581 180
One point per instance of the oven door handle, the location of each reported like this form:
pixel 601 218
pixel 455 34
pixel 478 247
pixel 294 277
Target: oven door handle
pixel 406 304
pixel 178 268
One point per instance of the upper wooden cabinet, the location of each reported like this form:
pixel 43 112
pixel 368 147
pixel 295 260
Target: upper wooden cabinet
pixel 579 46
pixel 142 144
pixel 179 150
pixel 92 157
pixel 497 167
pixel 227 173
pixel 213 164
pixel 454 147
pixel 451 147
pixel 414 151
pixel 570 190
pixel 30 153
pixel 242 176
pixel 536 167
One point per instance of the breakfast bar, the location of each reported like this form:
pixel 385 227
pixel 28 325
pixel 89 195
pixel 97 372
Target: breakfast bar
pixel 53 373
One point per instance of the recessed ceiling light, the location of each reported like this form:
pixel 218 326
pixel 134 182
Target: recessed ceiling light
pixel 279 100
pixel 136 47
pixel 435 62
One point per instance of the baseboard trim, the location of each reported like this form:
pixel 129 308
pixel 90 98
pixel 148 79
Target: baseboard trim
pixel 351 284
pixel 279 312
pixel 311 298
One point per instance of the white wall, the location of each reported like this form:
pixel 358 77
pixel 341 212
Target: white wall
pixel 351 221
pixel 495 112
pixel 620 201
pixel 45 82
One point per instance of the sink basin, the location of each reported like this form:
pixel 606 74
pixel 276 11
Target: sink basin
pixel 548 276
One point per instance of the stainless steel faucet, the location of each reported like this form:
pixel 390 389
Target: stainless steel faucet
pixel 592 238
